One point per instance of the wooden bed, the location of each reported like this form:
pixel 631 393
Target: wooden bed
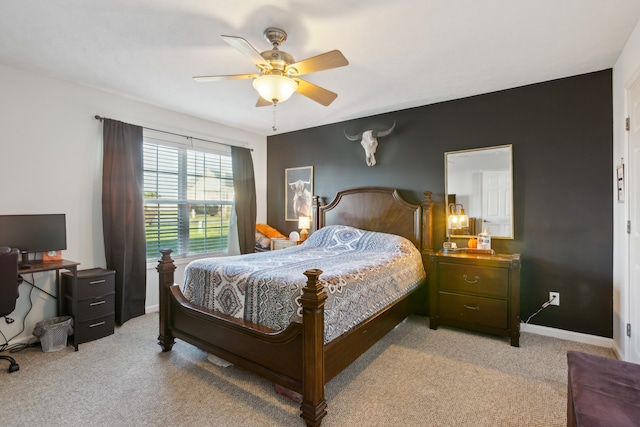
pixel 297 357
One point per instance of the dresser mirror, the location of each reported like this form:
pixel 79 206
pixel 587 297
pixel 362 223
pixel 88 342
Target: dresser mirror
pixel 479 192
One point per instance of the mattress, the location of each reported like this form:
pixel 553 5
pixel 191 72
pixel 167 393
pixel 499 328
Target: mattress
pixel 363 272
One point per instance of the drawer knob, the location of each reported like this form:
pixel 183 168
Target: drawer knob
pixel 97 303
pixel 96 324
pixel 468 307
pixel 466 279
pixel 96 282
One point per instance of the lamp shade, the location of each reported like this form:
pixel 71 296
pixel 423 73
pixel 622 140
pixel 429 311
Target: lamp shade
pixel 463 219
pixel 304 222
pixel 275 88
pixel 453 222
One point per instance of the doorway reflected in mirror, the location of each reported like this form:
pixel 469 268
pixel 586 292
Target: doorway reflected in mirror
pixel 480 182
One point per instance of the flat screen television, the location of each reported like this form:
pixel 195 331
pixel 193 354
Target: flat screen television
pixel 33 233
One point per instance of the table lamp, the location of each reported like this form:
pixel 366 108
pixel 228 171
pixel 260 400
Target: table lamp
pixel 304 222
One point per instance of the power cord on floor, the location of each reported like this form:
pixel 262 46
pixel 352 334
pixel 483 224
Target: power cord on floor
pixel 545 305
pixel 6 346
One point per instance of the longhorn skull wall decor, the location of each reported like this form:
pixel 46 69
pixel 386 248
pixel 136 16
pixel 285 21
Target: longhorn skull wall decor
pixel 370 142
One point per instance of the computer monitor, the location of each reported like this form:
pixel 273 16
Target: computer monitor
pixel 33 233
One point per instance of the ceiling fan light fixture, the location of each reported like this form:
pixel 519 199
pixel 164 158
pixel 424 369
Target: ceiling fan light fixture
pixel 274 87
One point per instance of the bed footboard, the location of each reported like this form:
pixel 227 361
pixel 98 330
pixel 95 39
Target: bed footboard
pixel 293 357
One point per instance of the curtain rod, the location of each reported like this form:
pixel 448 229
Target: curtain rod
pixel 100 118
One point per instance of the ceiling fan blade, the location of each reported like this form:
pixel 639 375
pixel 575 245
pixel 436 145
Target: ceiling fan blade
pixel 205 79
pixel 246 48
pixel 316 93
pixel 263 102
pixel 325 61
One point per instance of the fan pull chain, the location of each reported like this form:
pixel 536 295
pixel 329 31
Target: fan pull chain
pixel 274 117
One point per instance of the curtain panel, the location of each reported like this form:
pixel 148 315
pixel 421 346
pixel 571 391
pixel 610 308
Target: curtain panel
pixel 244 189
pixel 123 216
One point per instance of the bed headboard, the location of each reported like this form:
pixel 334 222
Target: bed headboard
pixel 379 209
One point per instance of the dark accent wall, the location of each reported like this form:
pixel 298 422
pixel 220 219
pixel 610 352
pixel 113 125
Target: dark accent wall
pixel 561 132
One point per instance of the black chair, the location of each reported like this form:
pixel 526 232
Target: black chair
pixel 9 282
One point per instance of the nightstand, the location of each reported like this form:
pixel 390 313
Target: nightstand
pixel 283 243
pixel 93 308
pixel 476 292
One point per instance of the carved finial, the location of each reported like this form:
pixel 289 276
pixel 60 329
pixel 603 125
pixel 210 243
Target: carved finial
pixel 313 294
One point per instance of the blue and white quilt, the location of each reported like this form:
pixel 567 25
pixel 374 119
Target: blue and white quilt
pixel 363 272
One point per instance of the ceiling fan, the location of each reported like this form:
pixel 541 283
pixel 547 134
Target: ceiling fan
pixel 278 73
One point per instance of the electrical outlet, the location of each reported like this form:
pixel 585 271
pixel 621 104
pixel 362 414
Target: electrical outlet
pixel 556 300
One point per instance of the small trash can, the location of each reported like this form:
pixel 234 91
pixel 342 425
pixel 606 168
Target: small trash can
pixel 53 332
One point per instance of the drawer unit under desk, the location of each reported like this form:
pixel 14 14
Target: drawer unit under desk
pixel 94 315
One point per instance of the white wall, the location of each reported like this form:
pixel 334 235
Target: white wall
pixel 626 69
pixel 51 162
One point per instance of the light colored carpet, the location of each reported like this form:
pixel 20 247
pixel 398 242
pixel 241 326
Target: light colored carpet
pixel 414 377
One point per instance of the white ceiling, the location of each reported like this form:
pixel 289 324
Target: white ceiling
pixel 402 54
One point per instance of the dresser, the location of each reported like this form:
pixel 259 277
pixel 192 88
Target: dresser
pixel 93 306
pixel 476 292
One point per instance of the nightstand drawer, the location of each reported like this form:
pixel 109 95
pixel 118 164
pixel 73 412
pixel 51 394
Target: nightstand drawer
pixel 473 309
pixel 491 281
pixel 92 283
pixel 92 308
pixel 95 328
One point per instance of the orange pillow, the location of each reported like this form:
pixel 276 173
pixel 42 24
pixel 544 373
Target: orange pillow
pixel 270 231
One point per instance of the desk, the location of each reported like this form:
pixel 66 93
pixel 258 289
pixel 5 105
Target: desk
pixel 56 266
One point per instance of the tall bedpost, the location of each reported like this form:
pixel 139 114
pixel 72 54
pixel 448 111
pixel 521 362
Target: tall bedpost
pixel 165 268
pixel 313 297
pixel 427 223
pixel 316 205
pixel 426 249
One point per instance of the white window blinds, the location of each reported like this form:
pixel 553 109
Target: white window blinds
pixel 188 196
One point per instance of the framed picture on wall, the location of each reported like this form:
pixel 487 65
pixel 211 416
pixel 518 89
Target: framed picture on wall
pixel 298 189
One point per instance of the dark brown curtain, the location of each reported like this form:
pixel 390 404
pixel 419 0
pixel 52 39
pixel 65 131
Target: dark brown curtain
pixel 123 216
pixel 244 188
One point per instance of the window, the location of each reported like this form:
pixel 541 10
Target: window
pixel 188 197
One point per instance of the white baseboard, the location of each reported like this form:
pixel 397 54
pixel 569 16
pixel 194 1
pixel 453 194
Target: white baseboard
pixel 618 352
pixel 567 335
pixel 151 308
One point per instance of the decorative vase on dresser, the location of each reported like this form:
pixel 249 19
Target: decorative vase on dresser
pixel 477 292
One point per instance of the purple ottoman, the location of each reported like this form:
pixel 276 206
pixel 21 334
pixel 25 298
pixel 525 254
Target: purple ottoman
pixel 602 391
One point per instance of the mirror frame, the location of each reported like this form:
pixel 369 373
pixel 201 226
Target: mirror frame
pixel 447 194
